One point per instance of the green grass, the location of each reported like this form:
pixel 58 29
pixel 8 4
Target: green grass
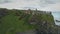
pixel 11 24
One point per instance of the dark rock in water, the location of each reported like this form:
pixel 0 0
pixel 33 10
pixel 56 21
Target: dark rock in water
pixel 57 21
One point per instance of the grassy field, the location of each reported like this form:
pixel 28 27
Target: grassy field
pixel 18 21
pixel 11 24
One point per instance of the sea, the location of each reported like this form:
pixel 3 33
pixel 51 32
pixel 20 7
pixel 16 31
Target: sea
pixel 56 16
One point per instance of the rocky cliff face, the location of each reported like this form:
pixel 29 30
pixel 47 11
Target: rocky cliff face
pixel 24 21
pixel 44 22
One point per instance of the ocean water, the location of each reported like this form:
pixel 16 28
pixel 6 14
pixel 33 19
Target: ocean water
pixel 56 16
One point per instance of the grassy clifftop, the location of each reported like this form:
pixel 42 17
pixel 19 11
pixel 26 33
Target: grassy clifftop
pixel 12 21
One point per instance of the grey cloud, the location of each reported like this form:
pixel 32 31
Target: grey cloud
pixel 44 3
pixel 4 1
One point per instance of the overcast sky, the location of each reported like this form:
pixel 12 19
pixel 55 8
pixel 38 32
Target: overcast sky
pixel 47 5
